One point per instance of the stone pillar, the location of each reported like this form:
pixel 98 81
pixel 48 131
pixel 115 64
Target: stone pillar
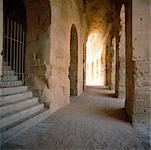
pixel 113 62
pixel 138 61
pixel 129 63
pixel 108 65
pixel 122 67
pixel 1 34
pixel 141 43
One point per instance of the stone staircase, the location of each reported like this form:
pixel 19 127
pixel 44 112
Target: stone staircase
pixel 9 78
pixel 19 110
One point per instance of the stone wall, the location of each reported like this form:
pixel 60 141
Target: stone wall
pixel 113 62
pixel 142 57
pixel 1 34
pixel 48 49
pixel 73 68
pixel 138 61
pixel 37 53
pixel 129 63
pixel 64 14
pixel 47 57
pixel 122 65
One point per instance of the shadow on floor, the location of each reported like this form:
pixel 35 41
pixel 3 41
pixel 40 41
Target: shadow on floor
pixel 118 114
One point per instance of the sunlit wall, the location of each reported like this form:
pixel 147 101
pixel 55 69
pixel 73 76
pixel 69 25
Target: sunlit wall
pixel 93 60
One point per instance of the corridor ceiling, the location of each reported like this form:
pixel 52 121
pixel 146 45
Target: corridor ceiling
pixel 99 14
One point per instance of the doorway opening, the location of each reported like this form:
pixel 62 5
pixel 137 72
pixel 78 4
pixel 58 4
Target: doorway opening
pixel 13 43
pixel 95 74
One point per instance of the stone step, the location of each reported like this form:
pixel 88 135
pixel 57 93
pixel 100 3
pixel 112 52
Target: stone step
pixel 11 83
pixel 18 106
pixel 9 78
pixel 6 68
pixel 10 120
pixel 8 73
pixel 22 127
pixel 5 100
pixel 12 90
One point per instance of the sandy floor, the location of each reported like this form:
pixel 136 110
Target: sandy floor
pixel 95 120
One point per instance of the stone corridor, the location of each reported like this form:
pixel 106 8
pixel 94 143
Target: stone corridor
pixel 94 120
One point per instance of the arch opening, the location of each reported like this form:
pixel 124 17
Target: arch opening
pixel 14 42
pixel 73 69
pixel 95 74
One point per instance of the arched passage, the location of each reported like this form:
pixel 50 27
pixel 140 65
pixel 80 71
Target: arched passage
pixel 73 70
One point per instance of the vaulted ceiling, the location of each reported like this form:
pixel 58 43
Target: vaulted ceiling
pixel 99 14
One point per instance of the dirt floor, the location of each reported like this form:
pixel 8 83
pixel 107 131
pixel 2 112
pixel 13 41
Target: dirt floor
pixel 95 120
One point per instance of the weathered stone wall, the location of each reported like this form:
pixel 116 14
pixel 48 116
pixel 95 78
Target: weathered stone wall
pixel 64 14
pixel 141 32
pixel 37 54
pixel 1 34
pixel 122 65
pixel 113 62
pixel 108 64
pixel 129 63
pixel 73 68
pixel 138 61
pixel 48 48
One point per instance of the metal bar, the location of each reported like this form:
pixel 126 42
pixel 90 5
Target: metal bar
pixel 14 46
pixel 7 37
pixel 11 42
pixel 20 53
pixel 23 51
pixel 17 48
pixel 7 33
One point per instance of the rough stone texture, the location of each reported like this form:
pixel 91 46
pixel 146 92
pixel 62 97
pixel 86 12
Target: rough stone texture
pixel 122 66
pixel 1 34
pixel 73 69
pixel 129 62
pixel 64 14
pixel 99 14
pixel 108 66
pixel 95 120
pixel 142 58
pixel 37 68
pixel 48 49
pixel 113 62
pixel 138 54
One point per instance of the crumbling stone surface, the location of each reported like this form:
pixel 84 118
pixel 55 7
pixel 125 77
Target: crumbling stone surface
pixel 48 49
pixel 1 35
pixel 38 68
pixel 122 53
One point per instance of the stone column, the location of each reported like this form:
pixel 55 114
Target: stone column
pixel 141 55
pixel 1 34
pixel 122 67
pixel 138 61
pixel 113 62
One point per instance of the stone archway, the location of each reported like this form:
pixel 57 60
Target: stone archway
pixel 73 70
pixel 37 58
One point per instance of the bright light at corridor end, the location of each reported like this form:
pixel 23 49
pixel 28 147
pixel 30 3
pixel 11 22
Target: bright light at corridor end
pixel 94 63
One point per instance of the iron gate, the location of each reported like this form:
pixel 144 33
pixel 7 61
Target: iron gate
pixel 13 50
